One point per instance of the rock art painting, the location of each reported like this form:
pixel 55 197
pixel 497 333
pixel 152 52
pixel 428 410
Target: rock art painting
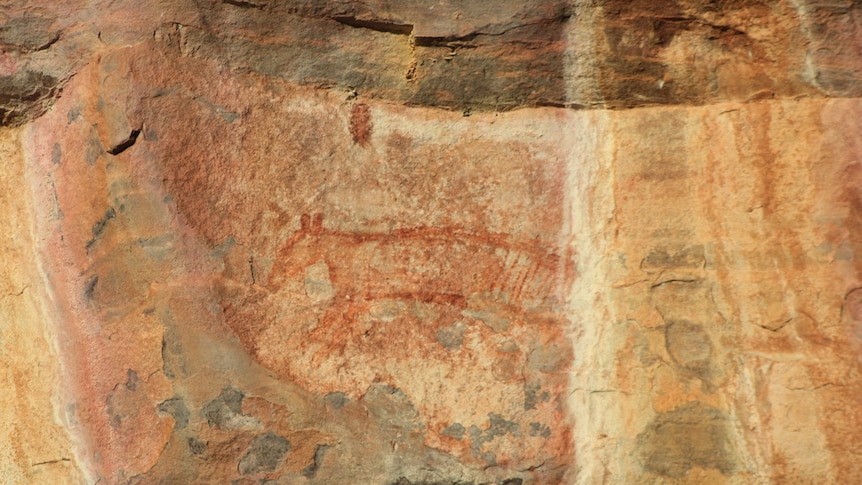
pixel 442 242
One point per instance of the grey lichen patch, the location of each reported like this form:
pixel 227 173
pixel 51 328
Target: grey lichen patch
pixel 196 446
pixel 225 411
pixel 121 402
pixel 177 409
pixel 94 149
pixel 689 345
pixel 451 337
pixel 533 395
pixel 336 399
pixel 547 358
pixel 132 380
pixel 90 287
pixel 691 257
pixel 686 298
pixel 391 407
pixel 157 247
pixel 73 114
pixel 539 429
pixel 265 454
pixel 490 318
pixel 311 470
pixel 56 154
pixel 509 346
pixel 497 426
pixel 172 352
pixel 455 430
pixel 692 435
pixel 99 227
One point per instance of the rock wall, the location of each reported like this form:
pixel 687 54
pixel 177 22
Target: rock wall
pixel 446 242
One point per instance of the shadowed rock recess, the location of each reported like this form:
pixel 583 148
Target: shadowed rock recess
pixel 431 242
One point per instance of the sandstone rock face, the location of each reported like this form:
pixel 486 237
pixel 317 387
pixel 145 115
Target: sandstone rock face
pixel 336 242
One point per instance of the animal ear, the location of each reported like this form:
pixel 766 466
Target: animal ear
pixel 318 222
pixel 305 222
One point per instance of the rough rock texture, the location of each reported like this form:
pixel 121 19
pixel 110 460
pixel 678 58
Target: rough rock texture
pixel 722 269
pixel 337 242
pixel 38 448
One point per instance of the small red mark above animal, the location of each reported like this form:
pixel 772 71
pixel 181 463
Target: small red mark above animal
pixel 360 124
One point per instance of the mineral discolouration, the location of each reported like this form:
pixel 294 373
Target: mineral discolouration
pixel 692 435
pixel 722 255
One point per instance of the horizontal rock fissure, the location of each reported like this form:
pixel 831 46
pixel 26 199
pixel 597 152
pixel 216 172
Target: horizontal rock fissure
pixel 47 45
pixel 51 462
pixel 17 293
pixel 677 280
pixel 376 25
pixel 445 41
pixel 241 4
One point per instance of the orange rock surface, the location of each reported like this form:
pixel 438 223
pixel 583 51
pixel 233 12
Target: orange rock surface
pixel 326 242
